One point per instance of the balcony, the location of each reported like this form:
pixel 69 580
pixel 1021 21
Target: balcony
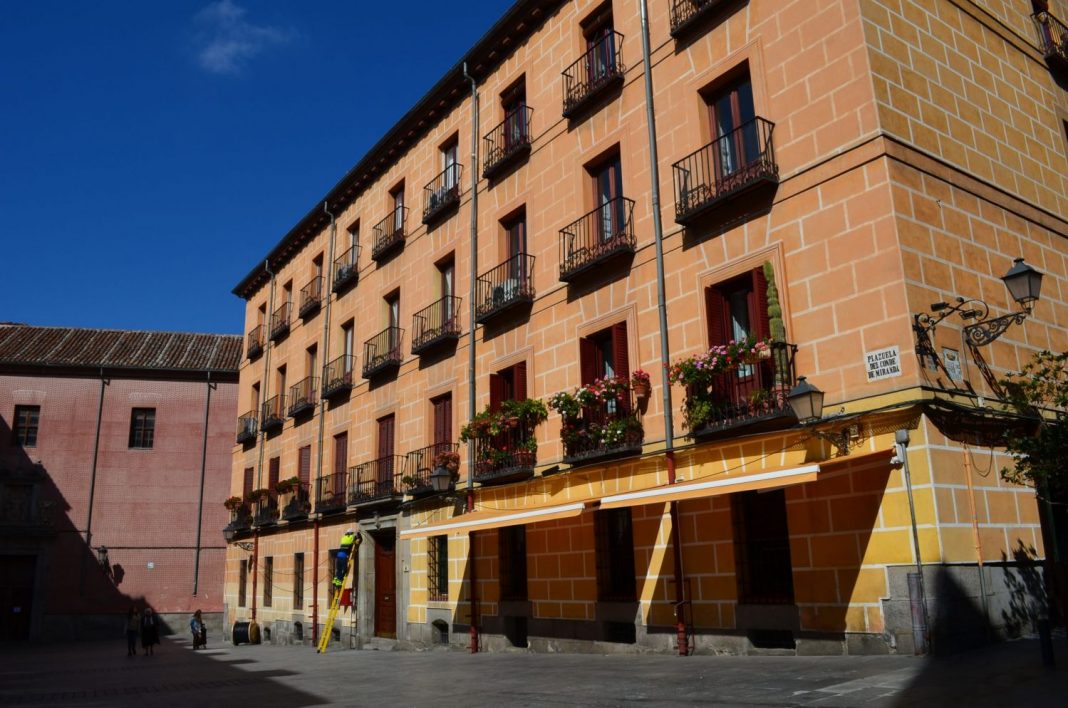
pixel 311 297
pixel 280 321
pixel 1053 41
pixel 382 353
pixel 436 325
pixel 346 269
pixel 502 288
pixel 265 511
pixel 330 493
pixel 240 519
pixel 420 463
pixel 688 14
pixel 594 73
pixel 296 503
pixel 442 194
pixel 598 239
pixel 247 427
pixel 508 142
pixel 337 376
pixel 753 395
pixel 607 431
pixel 389 234
pixel 377 481
pixel 255 342
pixel 273 414
pixel 734 163
pixel 303 396
pixel 508 457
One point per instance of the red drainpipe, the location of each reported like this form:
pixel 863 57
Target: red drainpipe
pixel 676 555
pixel 255 575
pixel 315 584
pixel 474 576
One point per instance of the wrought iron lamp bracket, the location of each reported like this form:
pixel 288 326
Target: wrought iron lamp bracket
pixel 986 331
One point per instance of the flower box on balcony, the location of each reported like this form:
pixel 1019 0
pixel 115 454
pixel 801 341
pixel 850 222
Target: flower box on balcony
pixel 599 421
pixel 505 446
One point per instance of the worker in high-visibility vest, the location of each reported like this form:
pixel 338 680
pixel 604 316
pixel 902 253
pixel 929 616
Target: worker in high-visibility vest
pixel 341 564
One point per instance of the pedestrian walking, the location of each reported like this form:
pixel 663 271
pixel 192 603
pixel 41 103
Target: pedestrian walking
pixel 200 632
pixel 149 631
pixel 133 628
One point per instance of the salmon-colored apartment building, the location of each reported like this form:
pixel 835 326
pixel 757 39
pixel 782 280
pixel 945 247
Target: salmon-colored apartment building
pixel 479 296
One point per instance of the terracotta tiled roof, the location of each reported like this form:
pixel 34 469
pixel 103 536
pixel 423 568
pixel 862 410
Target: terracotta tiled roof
pixel 23 345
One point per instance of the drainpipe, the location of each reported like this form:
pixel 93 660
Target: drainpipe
pixel 255 571
pixel 665 356
pixel 315 580
pixel 917 593
pixel 203 469
pixel 471 349
pixel 266 372
pixel 92 476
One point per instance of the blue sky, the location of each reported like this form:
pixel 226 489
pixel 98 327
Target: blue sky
pixel 152 152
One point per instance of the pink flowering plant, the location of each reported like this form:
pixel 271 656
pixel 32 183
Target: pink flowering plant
pixel 639 378
pixel 596 416
pixel 507 433
pixel 699 373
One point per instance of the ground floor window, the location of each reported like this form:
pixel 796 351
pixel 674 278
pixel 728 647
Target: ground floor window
pixel 615 556
pixel 298 581
pixel 438 568
pixel 762 548
pixel 268 581
pixel 242 583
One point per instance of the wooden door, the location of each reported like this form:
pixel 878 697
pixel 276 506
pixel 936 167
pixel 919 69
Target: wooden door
pixel 385 587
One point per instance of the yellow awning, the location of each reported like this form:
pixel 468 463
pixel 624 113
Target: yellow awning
pixel 494 519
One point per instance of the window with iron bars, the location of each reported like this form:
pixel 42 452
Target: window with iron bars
pixel 298 581
pixel 268 581
pixel 438 568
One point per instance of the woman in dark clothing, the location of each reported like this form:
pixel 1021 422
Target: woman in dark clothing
pixel 133 628
pixel 149 631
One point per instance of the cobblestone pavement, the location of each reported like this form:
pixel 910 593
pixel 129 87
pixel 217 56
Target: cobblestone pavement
pixel 99 674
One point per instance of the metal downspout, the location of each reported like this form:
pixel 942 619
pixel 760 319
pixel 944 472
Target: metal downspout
pixel 255 573
pixel 92 477
pixel 322 411
pixel 203 470
pixel 471 348
pixel 665 355
pixel 266 372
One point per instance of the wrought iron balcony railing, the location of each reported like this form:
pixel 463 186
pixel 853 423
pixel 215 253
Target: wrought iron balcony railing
pixel 501 288
pixel 1053 41
pixel 337 376
pixel 442 193
pixel 265 510
pixel 303 396
pixel 730 164
pixel 296 503
pixel 389 234
pixel 240 518
pixel 255 342
pixel 597 238
pixel 607 431
pixel 435 324
pixel 247 427
pixel 378 480
pixel 506 457
pixel 273 413
pixel 598 69
pixel 331 493
pixel 507 142
pixel 420 463
pixel 280 321
pixel 687 14
pixel 754 393
pixel 382 352
pixel 311 296
pixel 346 269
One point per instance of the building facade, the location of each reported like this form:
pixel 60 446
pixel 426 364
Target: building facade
pixel 114 447
pixel 480 293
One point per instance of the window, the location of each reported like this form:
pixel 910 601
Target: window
pixel 449 153
pixel 438 568
pixel 346 343
pixel 256 398
pixel 273 469
pixel 604 355
pixel 393 308
pixel 515 234
pixel 447 285
pixel 341 453
pixel 354 237
pixel 385 438
pixel 27 420
pixel 242 583
pixel 600 47
pixel 762 548
pixel 298 581
pixel 287 293
pixel 615 556
pixel 508 385
pixel 733 128
pixel 514 104
pixel 512 554
pixel 142 427
pixel 312 359
pixel 317 266
pixel 281 385
pixel 268 580
pixel 246 483
pixel 736 309
pixel 304 464
pixel 608 192
pixel 442 406
pixel 397 196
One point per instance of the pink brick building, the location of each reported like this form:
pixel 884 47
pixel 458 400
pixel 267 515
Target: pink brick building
pixel 114 451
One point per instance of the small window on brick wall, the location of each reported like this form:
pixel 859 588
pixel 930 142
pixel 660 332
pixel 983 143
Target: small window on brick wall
pixel 27 420
pixel 298 581
pixel 438 568
pixel 242 583
pixel 142 428
pixel 268 581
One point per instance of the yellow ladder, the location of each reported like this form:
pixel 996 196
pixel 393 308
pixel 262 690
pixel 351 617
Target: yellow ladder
pixel 335 603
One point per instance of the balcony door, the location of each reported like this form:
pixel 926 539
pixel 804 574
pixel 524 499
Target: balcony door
pixel 398 208
pixel 442 420
pixel 516 244
pixel 604 355
pixel 737 309
pixel 600 49
pixel 385 452
pixel 514 103
pixel 448 166
pixel 608 187
pixel 734 129
pixel 341 459
pixel 447 282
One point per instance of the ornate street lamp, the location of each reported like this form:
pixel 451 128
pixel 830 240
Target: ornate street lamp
pixel 806 401
pixel 440 479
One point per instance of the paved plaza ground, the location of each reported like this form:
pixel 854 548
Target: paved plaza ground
pixel 100 674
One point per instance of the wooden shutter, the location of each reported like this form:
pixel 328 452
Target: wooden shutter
pixel 496 387
pixel 443 420
pixel 588 356
pixel 272 473
pixel 519 381
pixel 304 464
pixel 385 436
pixel 620 357
pixel 247 482
pixel 341 452
pixel 758 305
pixel 716 314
